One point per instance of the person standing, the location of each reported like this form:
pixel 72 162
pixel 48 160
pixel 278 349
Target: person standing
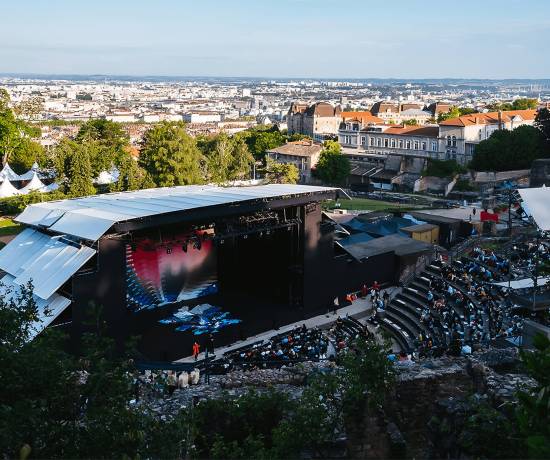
pixel 196 350
pixel 171 382
pixel 211 343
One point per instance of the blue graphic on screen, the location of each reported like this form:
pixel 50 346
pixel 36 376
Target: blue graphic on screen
pixel 182 268
pixel 202 319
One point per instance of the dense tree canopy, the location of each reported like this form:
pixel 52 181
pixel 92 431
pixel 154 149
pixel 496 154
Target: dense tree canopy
pixel 443 168
pixel 16 144
pixel 227 158
pixel 281 173
pixel 542 123
pixel 455 112
pixel 171 156
pixel 509 150
pixel 517 104
pixel 333 167
pixel 261 139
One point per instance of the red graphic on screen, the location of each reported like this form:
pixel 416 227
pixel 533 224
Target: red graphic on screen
pixel 180 268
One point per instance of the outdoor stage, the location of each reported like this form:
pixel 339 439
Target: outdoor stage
pixel 170 266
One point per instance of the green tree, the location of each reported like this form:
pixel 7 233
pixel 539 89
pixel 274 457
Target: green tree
pixel 131 176
pixel 508 150
pixel 525 104
pixel 443 168
pixel 542 123
pixel 72 162
pixel 219 158
pixel 281 173
pixel 333 167
pixel 57 405
pixel 410 122
pixel 533 412
pixel 261 139
pixel 171 156
pixel 110 141
pixel 454 112
pixel 4 99
pixel 79 172
pixel 16 138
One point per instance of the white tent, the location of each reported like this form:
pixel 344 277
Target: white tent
pixel 29 174
pixel 34 184
pixel 50 188
pixel 535 203
pixel 107 177
pixel 7 190
pixel 8 173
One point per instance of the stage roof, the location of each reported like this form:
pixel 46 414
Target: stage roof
pixel 90 217
pixel 48 261
pixel 48 309
pixel 536 202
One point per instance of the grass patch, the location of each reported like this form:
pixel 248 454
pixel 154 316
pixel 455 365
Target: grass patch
pixel 9 227
pixel 366 204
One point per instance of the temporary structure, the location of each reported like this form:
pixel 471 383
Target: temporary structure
pixel 50 188
pixel 8 173
pixel 107 177
pixel 28 175
pixel 34 184
pixel 7 190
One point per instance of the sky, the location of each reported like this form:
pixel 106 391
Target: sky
pixel 278 38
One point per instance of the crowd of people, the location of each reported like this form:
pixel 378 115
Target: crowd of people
pixel 464 307
pixel 164 382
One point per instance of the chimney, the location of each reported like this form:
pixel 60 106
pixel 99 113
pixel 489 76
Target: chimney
pixel 500 119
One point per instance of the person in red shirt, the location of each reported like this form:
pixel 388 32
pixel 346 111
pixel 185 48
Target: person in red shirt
pixel 196 350
pixel 364 290
pixel 376 286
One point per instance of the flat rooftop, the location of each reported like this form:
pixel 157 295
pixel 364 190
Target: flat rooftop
pixel 89 218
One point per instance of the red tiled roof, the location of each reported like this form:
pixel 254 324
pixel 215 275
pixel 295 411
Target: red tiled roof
pixel 489 118
pixel 365 117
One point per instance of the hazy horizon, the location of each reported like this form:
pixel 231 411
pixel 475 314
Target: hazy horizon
pixel 284 39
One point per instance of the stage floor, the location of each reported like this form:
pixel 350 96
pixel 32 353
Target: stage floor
pixel 359 309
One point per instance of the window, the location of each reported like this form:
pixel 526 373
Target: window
pixel 363 140
pixel 454 141
pixel 400 143
pixel 409 144
pixel 372 141
pixel 393 143
pixel 386 142
pixel 416 145
pixel 379 142
pixel 449 139
pixel 423 146
pixel 434 146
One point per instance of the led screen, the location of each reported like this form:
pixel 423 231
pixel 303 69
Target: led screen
pixel 181 268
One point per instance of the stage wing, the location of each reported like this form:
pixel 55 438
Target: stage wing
pixel 48 309
pixel 48 262
pixel 536 202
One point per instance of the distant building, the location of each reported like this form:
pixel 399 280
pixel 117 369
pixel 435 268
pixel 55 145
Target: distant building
pixel 458 137
pixel 303 154
pixel 453 139
pixel 418 141
pixel 394 113
pixel 319 121
pixel 202 117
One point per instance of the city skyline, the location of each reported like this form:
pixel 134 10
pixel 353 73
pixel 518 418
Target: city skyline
pixel 285 39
